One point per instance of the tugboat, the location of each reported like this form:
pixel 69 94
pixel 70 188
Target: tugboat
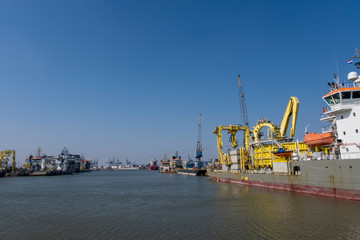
pixel 165 167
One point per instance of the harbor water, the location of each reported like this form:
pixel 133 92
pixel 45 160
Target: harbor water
pixel 141 204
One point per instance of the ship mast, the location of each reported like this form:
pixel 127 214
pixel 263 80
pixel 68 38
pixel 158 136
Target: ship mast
pixel 357 55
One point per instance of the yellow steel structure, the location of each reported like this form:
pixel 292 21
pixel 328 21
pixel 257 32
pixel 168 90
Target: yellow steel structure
pixel 274 130
pixel 4 157
pixel 264 155
pixel 244 159
pixel 232 130
pixel 261 153
pixel 291 110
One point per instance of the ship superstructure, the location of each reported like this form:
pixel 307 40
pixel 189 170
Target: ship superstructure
pixel 343 114
pixel 63 162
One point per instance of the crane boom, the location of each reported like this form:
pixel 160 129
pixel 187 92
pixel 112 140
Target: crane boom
pixel 243 110
pixel 291 110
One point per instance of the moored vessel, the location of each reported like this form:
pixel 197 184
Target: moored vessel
pixel 44 165
pixel 2 172
pixel 198 167
pixel 153 165
pixel 165 167
pixel 325 164
pixel 117 165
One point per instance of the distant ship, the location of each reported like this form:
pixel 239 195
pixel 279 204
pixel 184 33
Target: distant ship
pixel 126 166
pixel 63 163
pixel 165 167
pixel 153 165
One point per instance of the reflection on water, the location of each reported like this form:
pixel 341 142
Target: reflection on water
pixel 148 205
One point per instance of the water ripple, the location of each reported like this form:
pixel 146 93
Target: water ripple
pixel 149 205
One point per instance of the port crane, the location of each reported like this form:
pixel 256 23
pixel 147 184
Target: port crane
pixel 243 110
pixel 4 158
pixel 244 121
pixel 198 154
pixel 233 129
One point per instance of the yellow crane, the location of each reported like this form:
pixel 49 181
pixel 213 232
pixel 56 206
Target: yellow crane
pixel 4 157
pixel 291 110
pixel 274 130
pixel 262 153
pixel 232 130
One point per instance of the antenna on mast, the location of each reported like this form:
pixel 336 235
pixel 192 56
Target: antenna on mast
pixel 337 77
pixel 356 55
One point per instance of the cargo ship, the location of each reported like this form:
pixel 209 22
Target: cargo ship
pixel 324 164
pixel 153 165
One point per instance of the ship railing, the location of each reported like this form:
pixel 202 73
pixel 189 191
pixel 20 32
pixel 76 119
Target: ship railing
pixel 342 85
pixel 341 106
pixel 327 129
pixel 325 116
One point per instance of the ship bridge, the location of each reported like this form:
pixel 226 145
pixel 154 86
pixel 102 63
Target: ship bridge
pixel 343 115
pixel 340 100
pixel 345 96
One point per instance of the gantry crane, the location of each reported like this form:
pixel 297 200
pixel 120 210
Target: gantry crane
pixel 232 130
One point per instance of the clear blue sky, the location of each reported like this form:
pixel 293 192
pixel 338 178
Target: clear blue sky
pixel 129 78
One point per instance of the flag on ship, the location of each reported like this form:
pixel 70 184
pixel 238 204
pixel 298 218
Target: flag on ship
pixel 350 61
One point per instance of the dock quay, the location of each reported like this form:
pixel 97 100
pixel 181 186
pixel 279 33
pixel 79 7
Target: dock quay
pixel 49 173
pixel 27 173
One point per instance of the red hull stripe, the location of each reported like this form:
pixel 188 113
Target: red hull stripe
pixel 320 191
